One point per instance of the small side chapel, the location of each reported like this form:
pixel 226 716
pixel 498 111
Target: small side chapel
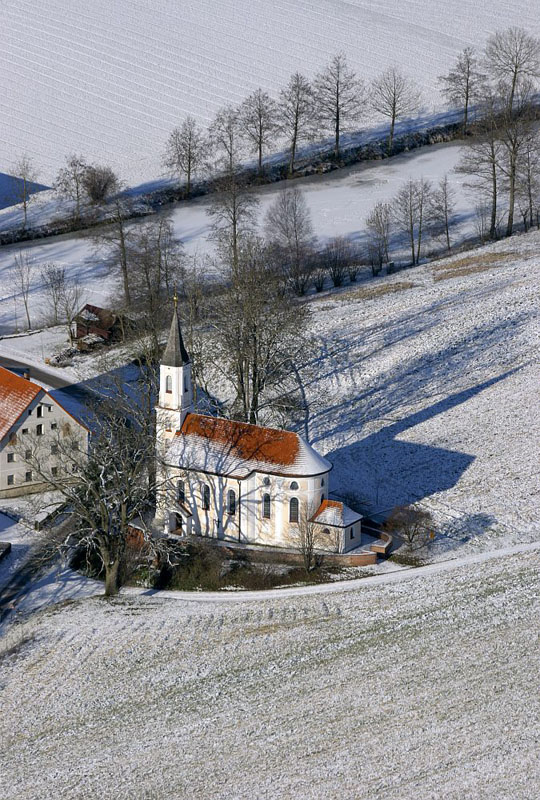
pixel 235 481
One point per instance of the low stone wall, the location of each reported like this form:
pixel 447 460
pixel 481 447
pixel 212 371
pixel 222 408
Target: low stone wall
pixel 261 555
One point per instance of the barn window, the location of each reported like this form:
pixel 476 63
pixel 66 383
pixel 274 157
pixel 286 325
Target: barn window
pixel 266 506
pixel 294 486
pixel 231 502
pixel 39 411
pixel 10 480
pixel 206 497
pixel 180 492
pixel 351 534
pixel 28 476
pixel 10 457
pixel 322 481
pixel 293 509
pixel 168 384
pixel 39 430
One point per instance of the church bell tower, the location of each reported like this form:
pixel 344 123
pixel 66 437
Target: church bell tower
pixel 175 386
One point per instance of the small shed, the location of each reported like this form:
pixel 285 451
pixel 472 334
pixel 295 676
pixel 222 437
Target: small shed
pixel 95 321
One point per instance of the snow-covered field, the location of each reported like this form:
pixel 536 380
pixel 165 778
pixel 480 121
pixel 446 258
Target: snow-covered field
pixel 429 394
pixel 110 80
pixel 339 204
pixel 416 690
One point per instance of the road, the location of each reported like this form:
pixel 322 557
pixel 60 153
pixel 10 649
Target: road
pixel 42 375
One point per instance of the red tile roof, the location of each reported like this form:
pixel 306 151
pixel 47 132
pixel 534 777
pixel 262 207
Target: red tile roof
pixel 247 442
pixel 16 394
pixel 333 512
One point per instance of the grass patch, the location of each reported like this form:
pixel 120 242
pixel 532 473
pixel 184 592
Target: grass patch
pixel 470 265
pixel 372 292
pixel 407 559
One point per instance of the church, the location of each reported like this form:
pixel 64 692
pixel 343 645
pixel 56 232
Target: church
pixel 236 481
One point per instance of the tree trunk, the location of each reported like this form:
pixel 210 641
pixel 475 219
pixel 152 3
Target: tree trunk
pixel 336 146
pixel 111 577
pixel 493 222
pixel 511 197
pixel 293 147
pixel 391 136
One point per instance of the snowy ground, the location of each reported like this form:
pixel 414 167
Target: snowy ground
pixel 404 691
pixel 429 394
pixel 110 81
pixel 339 204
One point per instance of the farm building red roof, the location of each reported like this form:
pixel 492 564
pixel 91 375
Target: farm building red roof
pixel 16 394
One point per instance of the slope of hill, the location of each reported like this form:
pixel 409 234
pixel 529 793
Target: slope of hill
pixel 410 691
pixel 109 80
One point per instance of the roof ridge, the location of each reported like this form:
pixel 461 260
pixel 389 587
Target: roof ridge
pixel 247 424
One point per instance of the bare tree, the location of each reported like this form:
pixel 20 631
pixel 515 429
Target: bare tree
pixel 100 183
pixel 116 240
pixel 378 224
pixel 480 162
pixel 289 229
pixel 25 174
pixel 105 489
pixel 70 305
pixel 512 56
pixel 258 115
pixel 296 113
pixel 442 210
pixel 463 85
pixel 528 179
pixel 23 274
pixel 339 97
pixel 54 281
pixel 515 129
pixel 225 135
pixel 70 183
pixel 336 257
pixel 412 524
pixel 394 96
pixel 410 207
pixel 233 214
pixel 156 262
pixel 185 151
pixel 257 336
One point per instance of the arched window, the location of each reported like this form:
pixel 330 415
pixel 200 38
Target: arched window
pixel 294 486
pixel 232 502
pixel 266 481
pixel 326 531
pixel 168 384
pixel 266 506
pixel 293 509
pixel 322 481
pixel 206 497
pixel 180 492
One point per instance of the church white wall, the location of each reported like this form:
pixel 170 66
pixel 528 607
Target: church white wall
pixel 248 523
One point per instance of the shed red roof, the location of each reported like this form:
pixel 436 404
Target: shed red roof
pixel 247 442
pixel 16 394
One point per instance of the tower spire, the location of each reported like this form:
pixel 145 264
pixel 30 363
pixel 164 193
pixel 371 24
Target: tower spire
pixel 175 354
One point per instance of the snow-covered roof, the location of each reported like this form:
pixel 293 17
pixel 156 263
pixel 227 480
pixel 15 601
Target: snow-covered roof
pixel 333 512
pixel 226 447
pixel 16 394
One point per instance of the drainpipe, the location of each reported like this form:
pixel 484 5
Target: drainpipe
pixel 239 512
